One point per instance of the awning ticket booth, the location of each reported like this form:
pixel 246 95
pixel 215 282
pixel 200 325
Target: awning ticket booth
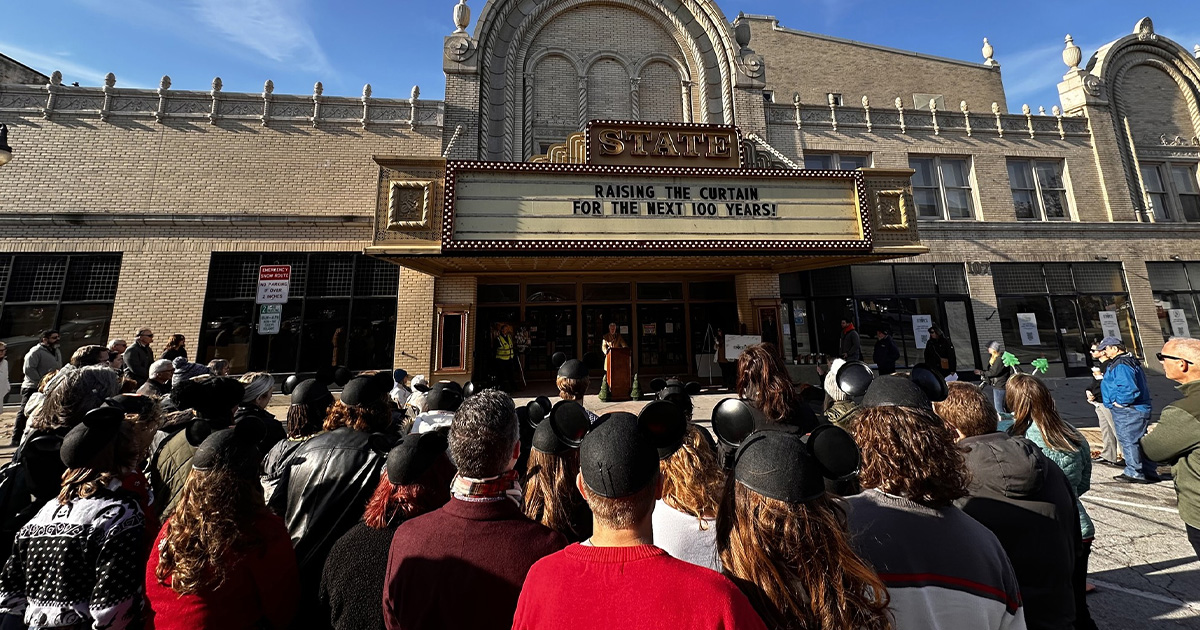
pixel 665 234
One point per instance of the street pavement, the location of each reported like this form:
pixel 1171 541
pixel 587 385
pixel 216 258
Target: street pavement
pixel 1146 575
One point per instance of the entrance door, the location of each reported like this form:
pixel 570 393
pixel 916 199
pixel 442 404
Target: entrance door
pixel 596 319
pixel 1071 343
pixel 551 329
pixel 662 339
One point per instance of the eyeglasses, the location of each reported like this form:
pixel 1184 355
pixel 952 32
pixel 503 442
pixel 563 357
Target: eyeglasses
pixel 1163 357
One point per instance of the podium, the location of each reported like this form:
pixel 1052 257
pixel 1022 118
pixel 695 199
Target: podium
pixel 617 366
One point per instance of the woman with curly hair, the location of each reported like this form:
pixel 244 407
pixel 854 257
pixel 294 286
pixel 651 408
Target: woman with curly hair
pixel 763 382
pixel 784 542
pixel 685 517
pixel 176 347
pixel 942 568
pixel 551 497
pixel 416 480
pixel 222 560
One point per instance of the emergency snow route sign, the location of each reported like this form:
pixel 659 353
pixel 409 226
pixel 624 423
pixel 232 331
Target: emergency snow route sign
pixel 273 284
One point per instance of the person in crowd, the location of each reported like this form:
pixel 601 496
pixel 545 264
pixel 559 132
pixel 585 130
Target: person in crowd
pixel 176 347
pixel 550 494
pixel 572 381
pixel 939 354
pixel 1176 439
pixel 684 518
pixel 260 387
pixel 441 401
pixel 886 353
pixel 116 352
pixel 324 488
pixel 159 382
pixel 1110 452
pixel 185 370
pixel 728 368
pixel 504 355
pixel 219 367
pixel 144 416
pixel 89 355
pixel 913 472
pixel 480 543
pixel 139 356
pixel 310 402
pixel 620 479
pixel 850 344
pixel 38 398
pixel 71 395
pixel 1027 502
pixel 80 559
pixel 763 382
pixel 784 540
pixel 212 402
pixel 416 480
pixel 1036 417
pixel 223 561
pixel 5 385
pixel 996 375
pixel 400 392
pixel 1127 396
pixel 43 358
pixel 612 339
pixel 841 405
pixel 416 403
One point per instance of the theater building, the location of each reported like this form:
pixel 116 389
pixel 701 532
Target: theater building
pixel 647 163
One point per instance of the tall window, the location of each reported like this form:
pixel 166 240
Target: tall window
pixel 70 293
pixel 341 310
pixel 1176 287
pixel 1038 190
pixel 1172 191
pixel 835 161
pixel 942 187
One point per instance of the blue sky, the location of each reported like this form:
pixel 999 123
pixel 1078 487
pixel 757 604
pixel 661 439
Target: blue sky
pixel 394 44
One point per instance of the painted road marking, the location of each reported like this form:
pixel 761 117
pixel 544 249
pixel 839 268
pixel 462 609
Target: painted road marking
pixel 1139 593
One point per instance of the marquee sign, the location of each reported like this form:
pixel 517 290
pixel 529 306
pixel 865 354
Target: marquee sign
pixel 663 144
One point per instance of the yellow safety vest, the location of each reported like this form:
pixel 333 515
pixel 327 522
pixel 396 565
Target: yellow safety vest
pixel 505 350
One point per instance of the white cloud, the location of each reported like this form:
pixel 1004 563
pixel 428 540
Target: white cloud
pixel 1033 74
pixel 274 29
pixel 47 63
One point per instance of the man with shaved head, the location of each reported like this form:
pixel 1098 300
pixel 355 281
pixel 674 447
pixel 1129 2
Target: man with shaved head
pixel 1176 439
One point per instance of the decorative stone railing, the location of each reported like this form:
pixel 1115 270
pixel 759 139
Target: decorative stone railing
pixel 895 117
pixel 106 102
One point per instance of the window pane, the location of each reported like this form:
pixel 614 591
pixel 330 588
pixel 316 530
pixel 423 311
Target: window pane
pixel 450 345
pixel 1158 205
pixel 1167 276
pixel 1019 174
pixel 1098 277
pixel 1039 306
pixel 226 333
pixel 19 329
pixel 929 205
pixel 1164 303
pixel 1023 204
pixel 816 161
pixel 92 278
pixel 1059 279
pixel 834 281
pixel 37 278
pixel 1055 204
pixel 1018 278
pixel 952 280
pixel 852 162
pixel 233 276
pixel 660 290
pixel 324 337
pixel 954 173
pixel 83 324
pixel 719 290
pixel 1049 174
pixel 375 277
pixel 1190 206
pixel 550 293
pixel 873 280
pixel 915 279
pixel 372 334
pixel 493 293
pixel 1152 178
pixel 607 291
pixel 1184 178
pixel 958 203
pixel 281 348
pixel 330 275
pixel 924 172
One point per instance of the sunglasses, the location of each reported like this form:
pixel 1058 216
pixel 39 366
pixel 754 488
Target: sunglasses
pixel 1163 357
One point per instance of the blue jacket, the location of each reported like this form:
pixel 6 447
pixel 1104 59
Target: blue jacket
pixel 1125 384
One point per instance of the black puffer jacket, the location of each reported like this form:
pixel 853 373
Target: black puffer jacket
pixel 1028 503
pixel 322 493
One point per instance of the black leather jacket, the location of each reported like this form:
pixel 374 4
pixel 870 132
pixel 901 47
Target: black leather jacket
pixel 323 491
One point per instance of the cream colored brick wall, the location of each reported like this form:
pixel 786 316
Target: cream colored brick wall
pixel 415 321
pixel 1155 106
pixel 753 286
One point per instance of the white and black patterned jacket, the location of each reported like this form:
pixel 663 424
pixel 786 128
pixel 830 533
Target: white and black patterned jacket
pixel 80 563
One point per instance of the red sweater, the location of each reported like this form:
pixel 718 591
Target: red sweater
pixel 261 589
pixel 462 566
pixel 609 588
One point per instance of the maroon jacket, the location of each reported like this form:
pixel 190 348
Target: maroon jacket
pixel 462 566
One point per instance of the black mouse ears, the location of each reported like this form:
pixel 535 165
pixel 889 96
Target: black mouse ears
pixel 536 410
pixel 569 420
pixel 834 451
pixel 930 381
pixel 659 384
pixel 557 359
pixel 469 390
pixel 854 378
pixel 290 383
pixel 332 374
pixel 733 419
pixel 665 424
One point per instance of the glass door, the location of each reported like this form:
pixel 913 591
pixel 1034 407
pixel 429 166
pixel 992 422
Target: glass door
pixel 551 329
pixel 662 339
pixel 1071 339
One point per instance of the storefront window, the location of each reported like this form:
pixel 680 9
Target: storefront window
pixel 341 310
pixel 499 293
pixel 550 293
pixel 606 292
pixel 1176 287
pixel 452 341
pixel 72 293
pixel 660 290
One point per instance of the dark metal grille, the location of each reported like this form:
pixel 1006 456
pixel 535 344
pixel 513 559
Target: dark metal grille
pixel 233 276
pixel 92 278
pixel 1099 278
pixel 1058 278
pixel 5 266
pixel 331 275
pixel 1167 276
pixel 951 279
pixel 914 279
pixel 37 278
pixel 376 277
pixel 1018 278
pixel 835 281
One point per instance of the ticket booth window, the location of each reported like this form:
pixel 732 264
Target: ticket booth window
pixel 452 339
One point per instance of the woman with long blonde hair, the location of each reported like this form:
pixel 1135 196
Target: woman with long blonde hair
pixel 223 561
pixel 685 517
pixel 785 543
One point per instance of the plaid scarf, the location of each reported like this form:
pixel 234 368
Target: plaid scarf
pixel 496 488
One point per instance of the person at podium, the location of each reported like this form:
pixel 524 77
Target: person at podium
pixel 613 339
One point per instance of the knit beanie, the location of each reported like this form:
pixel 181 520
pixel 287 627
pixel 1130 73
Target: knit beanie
pixel 185 370
pixel 831 386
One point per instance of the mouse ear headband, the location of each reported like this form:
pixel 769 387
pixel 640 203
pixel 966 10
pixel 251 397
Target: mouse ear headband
pixel 792 468
pixel 920 390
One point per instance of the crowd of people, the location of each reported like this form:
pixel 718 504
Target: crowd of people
pixel 403 504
